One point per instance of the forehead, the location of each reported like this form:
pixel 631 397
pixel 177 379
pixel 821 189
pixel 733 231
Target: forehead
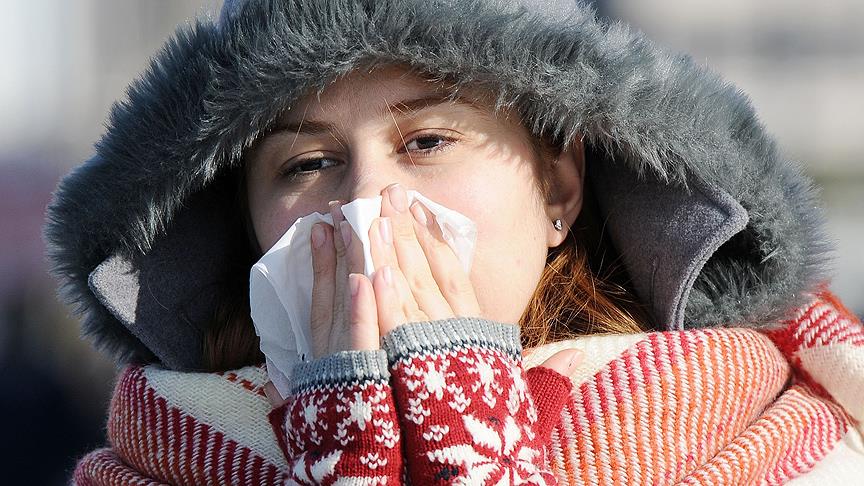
pixel 380 89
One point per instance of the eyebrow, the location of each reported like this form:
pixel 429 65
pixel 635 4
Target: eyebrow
pixel 402 109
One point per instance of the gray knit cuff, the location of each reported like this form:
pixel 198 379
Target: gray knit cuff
pixel 430 337
pixel 341 368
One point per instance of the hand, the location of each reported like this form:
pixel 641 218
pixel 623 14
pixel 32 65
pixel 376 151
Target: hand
pixel 417 275
pixel 336 254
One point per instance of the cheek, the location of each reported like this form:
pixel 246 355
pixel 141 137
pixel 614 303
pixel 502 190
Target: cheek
pixel 274 226
pixel 508 263
pixel 272 219
pixel 510 253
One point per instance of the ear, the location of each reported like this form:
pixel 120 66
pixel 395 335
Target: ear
pixel 566 179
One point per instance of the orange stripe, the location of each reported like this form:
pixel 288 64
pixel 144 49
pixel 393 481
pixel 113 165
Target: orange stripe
pixel 581 436
pixel 698 390
pixel 738 385
pixel 593 426
pixel 665 396
pixel 677 357
pixel 616 377
pixel 631 363
pixel 646 356
pixel 608 425
pixel 565 447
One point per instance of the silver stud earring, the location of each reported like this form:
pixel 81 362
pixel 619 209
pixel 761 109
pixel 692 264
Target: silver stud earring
pixel 558 225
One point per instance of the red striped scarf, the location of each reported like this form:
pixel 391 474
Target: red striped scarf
pixel 711 406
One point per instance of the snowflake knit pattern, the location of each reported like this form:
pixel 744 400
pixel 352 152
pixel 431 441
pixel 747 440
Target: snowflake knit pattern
pixel 451 402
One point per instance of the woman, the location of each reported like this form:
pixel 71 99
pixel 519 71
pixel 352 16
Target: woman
pixel 622 196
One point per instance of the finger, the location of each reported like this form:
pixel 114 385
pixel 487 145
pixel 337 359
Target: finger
pixel 383 254
pixel 336 215
pixel 564 362
pixel 387 301
pixel 364 313
pixel 349 256
pixel 381 239
pixel 453 283
pixel 323 289
pixel 339 336
pixel 353 249
pixel 410 256
pixel 273 395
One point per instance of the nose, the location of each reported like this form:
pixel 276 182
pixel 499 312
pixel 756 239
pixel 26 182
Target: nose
pixel 370 171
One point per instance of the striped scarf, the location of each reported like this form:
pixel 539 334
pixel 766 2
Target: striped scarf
pixel 711 406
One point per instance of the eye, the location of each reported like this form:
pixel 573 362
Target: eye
pixel 308 167
pixel 429 143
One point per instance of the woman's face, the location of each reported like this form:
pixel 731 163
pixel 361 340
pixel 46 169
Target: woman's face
pixel 369 130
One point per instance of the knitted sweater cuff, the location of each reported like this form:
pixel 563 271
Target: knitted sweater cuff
pixel 429 337
pixel 341 368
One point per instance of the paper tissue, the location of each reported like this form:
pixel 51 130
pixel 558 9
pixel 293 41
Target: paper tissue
pixel 280 283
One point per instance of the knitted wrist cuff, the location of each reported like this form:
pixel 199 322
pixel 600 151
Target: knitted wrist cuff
pixel 551 391
pixel 429 337
pixel 341 368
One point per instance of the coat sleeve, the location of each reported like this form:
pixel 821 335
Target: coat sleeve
pixel 339 424
pixel 465 406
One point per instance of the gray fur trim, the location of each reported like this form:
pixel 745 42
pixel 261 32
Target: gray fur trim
pixel 341 368
pixel 444 335
pixel 213 89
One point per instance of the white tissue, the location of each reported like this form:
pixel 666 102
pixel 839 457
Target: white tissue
pixel 280 283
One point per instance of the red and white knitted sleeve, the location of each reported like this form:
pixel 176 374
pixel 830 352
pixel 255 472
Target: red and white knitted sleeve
pixel 465 408
pixel 339 424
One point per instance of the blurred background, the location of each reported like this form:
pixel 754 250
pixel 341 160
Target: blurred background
pixel 64 63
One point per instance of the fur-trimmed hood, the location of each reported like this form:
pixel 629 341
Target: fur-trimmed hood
pixel 715 227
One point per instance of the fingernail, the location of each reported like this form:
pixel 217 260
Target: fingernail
pixel 385 230
pixel 336 211
pixel 271 394
pixel 354 283
pixel 318 235
pixel 575 359
pixel 398 198
pixel 388 275
pixel 345 229
pixel 419 214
